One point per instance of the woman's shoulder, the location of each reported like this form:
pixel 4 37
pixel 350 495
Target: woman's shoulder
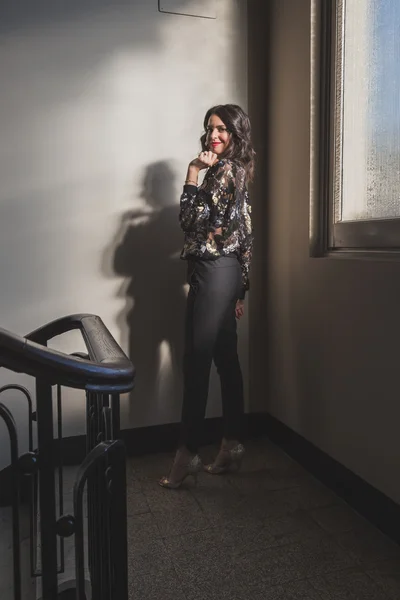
pixel 227 165
pixel 225 162
pixel 233 171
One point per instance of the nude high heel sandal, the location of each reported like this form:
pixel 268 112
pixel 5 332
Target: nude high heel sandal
pixel 228 459
pixel 181 468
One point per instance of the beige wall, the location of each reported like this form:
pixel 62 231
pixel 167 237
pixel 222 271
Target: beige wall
pixel 333 325
pixel 258 23
pixel 101 109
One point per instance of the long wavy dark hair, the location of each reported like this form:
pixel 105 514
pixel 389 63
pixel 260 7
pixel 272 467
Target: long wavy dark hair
pixel 240 147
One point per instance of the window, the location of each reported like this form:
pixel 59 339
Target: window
pixel 355 151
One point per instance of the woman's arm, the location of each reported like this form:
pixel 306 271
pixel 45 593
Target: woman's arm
pixel 246 246
pixel 194 212
pixel 205 207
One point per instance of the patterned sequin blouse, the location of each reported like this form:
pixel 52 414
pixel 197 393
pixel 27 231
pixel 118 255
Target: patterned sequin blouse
pixel 221 201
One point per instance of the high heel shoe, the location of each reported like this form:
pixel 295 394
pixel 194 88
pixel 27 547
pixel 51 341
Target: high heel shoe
pixel 227 460
pixel 180 470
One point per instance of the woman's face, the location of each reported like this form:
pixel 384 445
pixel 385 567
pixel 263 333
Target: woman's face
pixel 218 137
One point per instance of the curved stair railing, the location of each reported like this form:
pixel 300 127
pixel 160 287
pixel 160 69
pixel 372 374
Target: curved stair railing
pixel 100 535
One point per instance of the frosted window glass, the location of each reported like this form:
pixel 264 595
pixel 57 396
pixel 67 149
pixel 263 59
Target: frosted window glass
pixel 370 185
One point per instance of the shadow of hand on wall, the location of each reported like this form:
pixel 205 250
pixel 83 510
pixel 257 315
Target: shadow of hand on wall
pixel 149 257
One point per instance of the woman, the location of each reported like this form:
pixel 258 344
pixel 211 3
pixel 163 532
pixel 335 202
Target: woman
pixel 215 218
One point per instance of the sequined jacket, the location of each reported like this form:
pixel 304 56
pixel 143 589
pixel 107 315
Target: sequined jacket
pixel 221 201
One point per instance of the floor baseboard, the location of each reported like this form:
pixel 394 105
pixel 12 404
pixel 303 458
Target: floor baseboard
pixel 369 502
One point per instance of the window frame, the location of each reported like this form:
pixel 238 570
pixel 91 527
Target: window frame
pixel 364 238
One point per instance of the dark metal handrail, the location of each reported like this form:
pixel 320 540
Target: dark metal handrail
pixel 108 370
pixel 103 372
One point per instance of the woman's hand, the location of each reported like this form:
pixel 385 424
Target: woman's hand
pixel 239 310
pixel 204 160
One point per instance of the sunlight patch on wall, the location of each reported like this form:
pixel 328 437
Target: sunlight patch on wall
pixel 165 374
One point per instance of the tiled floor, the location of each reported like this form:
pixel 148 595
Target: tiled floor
pixel 270 532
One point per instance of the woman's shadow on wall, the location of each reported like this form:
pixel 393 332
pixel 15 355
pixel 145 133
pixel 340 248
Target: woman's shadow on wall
pixel 147 253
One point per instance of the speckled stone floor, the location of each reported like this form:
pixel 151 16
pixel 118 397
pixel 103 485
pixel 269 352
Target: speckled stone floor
pixel 269 532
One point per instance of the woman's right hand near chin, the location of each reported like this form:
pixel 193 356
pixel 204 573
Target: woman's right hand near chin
pixel 204 160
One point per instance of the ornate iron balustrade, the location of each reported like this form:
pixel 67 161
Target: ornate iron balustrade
pixel 104 372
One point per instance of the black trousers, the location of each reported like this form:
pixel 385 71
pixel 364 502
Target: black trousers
pixel 210 334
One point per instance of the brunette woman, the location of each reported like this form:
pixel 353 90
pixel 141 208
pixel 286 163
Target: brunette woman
pixel 216 220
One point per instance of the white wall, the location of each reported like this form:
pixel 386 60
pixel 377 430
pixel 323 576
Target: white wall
pixel 101 109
